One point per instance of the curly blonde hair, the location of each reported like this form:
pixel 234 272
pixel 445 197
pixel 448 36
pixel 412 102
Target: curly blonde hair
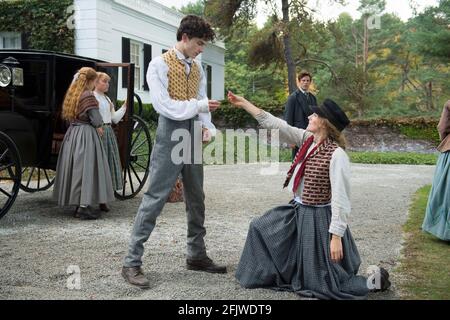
pixel 83 78
pixel 334 134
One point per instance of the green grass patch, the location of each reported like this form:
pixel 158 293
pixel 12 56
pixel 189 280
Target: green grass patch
pixel 425 262
pixel 393 158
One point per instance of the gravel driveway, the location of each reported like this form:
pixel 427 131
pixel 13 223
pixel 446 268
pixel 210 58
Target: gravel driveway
pixel 39 241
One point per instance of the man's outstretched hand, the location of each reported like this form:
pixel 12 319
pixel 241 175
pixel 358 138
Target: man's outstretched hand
pixel 213 105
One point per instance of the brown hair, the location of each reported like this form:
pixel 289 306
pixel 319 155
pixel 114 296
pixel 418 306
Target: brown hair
pixel 334 134
pixel 77 87
pixel 304 74
pixel 195 27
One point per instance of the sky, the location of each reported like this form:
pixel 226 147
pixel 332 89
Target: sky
pixel 326 11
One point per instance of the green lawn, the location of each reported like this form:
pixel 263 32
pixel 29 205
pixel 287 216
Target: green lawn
pixel 425 263
pixel 393 158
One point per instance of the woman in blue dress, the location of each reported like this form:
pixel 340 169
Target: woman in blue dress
pixel 437 214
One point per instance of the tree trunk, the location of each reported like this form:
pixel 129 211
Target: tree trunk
pixel 355 36
pixel 366 45
pixel 361 106
pixel 292 83
pixel 430 96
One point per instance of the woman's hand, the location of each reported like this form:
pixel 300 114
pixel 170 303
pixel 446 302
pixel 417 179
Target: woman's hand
pixel 241 102
pixel 100 131
pixel 236 100
pixel 336 249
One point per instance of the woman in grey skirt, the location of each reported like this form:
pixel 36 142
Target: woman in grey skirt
pixel 82 172
pixel 109 116
pixel 306 246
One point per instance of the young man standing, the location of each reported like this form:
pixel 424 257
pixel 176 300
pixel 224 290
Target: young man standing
pixel 298 106
pixel 177 86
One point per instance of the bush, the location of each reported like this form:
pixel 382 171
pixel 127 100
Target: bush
pixel 228 116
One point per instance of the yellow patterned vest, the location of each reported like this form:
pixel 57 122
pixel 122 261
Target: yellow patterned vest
pixel 181 85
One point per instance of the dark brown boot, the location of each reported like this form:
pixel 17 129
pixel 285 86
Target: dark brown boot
pixel 104 207
pixel 135 276
pixel 206 265
pixel 86 213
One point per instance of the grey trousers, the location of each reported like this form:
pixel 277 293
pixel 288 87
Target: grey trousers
pixel 163 174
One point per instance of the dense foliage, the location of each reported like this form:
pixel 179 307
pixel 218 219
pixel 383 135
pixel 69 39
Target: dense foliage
pixel 44 24
pixel 392 68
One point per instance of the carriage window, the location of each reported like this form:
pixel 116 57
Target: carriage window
pixel 33 95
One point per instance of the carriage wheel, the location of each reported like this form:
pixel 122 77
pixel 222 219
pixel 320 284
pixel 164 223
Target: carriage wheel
pixel 135 175
pixel 36 179
pixel 139 101
pixel 10 173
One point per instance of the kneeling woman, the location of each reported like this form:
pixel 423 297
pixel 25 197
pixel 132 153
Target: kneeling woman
pixel 82 172
pixel 306 246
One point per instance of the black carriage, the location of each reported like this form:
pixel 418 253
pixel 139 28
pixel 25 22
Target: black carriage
pixel 32 88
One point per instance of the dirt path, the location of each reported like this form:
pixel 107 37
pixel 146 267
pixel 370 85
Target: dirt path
pixel 38 241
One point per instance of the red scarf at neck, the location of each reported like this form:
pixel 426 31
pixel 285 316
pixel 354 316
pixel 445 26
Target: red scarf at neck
pixel 300 156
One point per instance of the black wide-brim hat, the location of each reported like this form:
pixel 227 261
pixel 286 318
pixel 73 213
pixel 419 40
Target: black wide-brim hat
pixel 331 111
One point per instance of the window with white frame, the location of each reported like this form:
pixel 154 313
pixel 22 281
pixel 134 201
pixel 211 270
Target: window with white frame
pixel 10 40
pixel 136 57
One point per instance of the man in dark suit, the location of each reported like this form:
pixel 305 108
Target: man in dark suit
pixel 298 105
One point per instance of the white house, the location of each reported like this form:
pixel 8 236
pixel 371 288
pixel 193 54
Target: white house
pixel 131 31
pixel 137 31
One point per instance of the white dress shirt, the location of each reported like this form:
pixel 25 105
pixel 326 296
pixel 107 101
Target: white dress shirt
pixel 173 109
pixel 107 111
pixel 339 171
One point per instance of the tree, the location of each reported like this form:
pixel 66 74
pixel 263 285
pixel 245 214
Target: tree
pixel 226 13
pixel 371 9
pixel 196 8
pixel 433 27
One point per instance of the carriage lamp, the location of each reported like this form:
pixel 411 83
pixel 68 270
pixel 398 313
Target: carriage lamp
pixel 11 76
pixel 10 73
pixel 5 76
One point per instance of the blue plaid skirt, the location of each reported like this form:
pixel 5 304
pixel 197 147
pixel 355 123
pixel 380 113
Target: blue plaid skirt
pixel 112 150
pixel 288 248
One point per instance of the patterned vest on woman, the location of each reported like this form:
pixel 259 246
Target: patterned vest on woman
pixel 182 86
pixel 317 186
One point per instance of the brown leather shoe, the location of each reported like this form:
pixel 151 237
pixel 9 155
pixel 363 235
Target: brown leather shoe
pixel 135 276
pixel 206 265
pixel 104 207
